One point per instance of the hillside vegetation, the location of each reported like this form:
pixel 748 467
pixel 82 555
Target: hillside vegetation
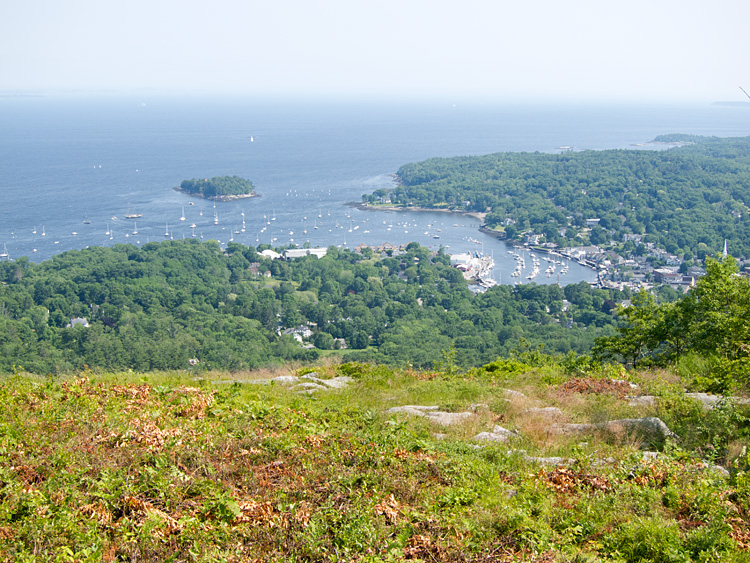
pixel 162 304
pixel 170 467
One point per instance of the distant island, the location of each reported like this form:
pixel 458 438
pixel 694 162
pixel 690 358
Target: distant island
pixel 222 188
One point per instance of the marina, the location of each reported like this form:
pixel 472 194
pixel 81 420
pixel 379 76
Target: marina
pixel 307 162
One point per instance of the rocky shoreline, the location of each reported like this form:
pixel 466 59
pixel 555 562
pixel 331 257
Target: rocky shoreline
pixel 217 197
pixel 370 207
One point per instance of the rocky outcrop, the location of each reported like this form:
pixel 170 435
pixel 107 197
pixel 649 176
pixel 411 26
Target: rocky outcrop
pixel 650 429
pixel 433 414
pixel 498 434
pixel 308 383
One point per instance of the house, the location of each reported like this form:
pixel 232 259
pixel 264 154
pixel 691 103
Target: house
pixel 292 253
pixel 268 253
pixel 665 275
pixel 78 321
pixel 298 333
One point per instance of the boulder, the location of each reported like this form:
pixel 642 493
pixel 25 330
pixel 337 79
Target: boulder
pixel 650 429
pixel 641 401
pixel 498 434
pixel 432 412
pixel 286 379
pixel 337 382
pixel 511 394
pixel 548 412
pixel 412 409
pixel 448 418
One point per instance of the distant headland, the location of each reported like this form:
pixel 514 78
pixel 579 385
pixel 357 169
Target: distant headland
pixel 220 188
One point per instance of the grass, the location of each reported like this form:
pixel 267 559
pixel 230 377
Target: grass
pixel 166 467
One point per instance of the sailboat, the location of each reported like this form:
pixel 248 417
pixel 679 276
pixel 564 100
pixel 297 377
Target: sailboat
pixel 86 220
pixel 166 232
pixel 133 215
pixel 34 231
pixel 182 217
pixel 4 253
pixel 135 229
pixel 108 232
pixel 43 233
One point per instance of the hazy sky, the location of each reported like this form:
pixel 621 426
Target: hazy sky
pixel 679 50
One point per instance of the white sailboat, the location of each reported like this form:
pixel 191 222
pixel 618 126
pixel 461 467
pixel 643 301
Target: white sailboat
pixel 4 253
pixel 133 214
pixel 43 233
pixel 182 217
pixel 108 232
pixel 135 228
pixel 166 232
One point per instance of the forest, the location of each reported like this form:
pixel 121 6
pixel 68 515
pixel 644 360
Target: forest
pixel 219 186
pixel 706 332
pixel 687 199
pixel 162 304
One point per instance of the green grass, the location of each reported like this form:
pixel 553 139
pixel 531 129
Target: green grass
pixel 164 467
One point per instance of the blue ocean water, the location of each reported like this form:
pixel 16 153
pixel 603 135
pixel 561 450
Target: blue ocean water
pixel 72 167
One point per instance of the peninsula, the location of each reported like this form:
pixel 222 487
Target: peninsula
pixel 221 188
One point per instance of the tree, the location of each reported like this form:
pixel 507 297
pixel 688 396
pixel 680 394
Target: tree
pixel 712 320
pixel 635 337
pixel 323 340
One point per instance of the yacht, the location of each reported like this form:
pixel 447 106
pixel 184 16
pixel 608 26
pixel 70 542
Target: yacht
pixel 133 215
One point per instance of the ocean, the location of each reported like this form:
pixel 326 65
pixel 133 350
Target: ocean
pixel 71 167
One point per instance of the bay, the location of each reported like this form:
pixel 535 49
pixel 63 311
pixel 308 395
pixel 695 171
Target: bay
pixel 71 167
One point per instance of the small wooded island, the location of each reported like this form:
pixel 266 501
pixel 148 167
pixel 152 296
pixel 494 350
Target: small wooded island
pixel 222 188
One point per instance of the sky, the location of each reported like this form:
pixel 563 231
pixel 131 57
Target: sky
pixel 503 50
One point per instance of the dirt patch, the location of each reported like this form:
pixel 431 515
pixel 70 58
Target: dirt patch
pixel 587 386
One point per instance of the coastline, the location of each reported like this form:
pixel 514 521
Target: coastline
pixel 482 228
pixel 368 207
pixel 217 197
